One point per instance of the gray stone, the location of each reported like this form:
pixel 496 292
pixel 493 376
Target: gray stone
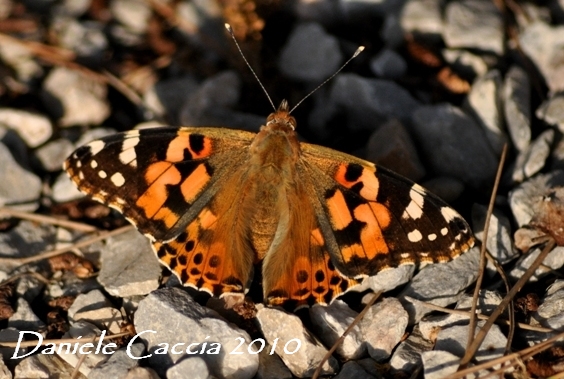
pixel 388 64
pixel 500 238
pixel 517 106
pixel 441 284
pixel 11 335
pixel 523 197
pixel 195 366
pixel 65 190
pixel 550 313
pixel 210 105
pixel 26 239
pixel 367 103
pixel 554 260
pixel 454 144
pixel 129 266
pixel 445 187
pixel 29 287
pixel 388 280
pixel 464 61
pixel 288 333
pixel 4 370
pixel 310 54
pixel 475 24
pixel 455 338
pixel 86 331
pixel 118 364
pixel 484 102
pixel 329 324
pixel 132 14
pixel 407 356
pixel 271 366
pixel 75 99
pixel 352 369
pixel 19 188
pixel 430 326
pixel 34 129
pixel 52 154
pixel 533 158
pixel 86 39
pixel 141 373
pixel 439 364
pixel 21 60
pixel 167 97
pixel 75 8
pixel 391 146
pixel 392 32
pixel 543 44
pixel 552 111
pixel 422 16
pixel 24 318
pixel 192 323
pixel 383 326
pixel 95 308
pixel 44 366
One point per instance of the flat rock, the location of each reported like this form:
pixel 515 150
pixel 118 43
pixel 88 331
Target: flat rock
pixel 441 284
pixel 44 366
pixel 532 159
pixel 34 129
pixel 196 366
pixel 543 44
pixel 129 266
pixel 474 24
pixel 310 54
pixel 439 364
pixel 422 16
pixel 192 323
pixel 53 153
pixel 522 198
pixel 329 324
pixel 552 111
pixel 407 356
pixel 19 188
pixel 118 364
pixel 290 334
pixel 271 366
pixel 391 146
pixel 388 64
pixel 27 239
pixel 24 318
pixel 517 106
pixel 352 369
pixel 367 103
pixel 483 101
pixel 454 340
pixel 554 260
pixel 383 327
pixel 388 280
pixel 94 307
pixel 454 144
pixel 75 99
pixel 500 237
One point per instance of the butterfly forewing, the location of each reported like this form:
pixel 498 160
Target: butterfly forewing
pixel 160 178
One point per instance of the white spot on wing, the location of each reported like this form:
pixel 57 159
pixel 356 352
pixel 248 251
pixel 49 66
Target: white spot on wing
pixel 117 179
pixel 444 231
pixel 96 146
pixel 414 236
pixel 102 174
pixel 78 164
pixel 127 154
pixel 80 175
pixel 449 214
pixel 415 207
pixel 93 164
pixel 432 237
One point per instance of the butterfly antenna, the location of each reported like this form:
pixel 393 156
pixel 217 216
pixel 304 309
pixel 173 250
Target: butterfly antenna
pixel 230 30
pixel 358 51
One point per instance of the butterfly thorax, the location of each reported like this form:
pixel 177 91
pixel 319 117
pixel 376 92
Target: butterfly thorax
pixel 272 172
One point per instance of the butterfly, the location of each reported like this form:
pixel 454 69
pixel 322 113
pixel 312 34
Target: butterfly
pixel 216 202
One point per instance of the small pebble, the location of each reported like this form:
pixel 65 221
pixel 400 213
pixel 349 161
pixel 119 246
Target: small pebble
pixel 552 111
pixel 533 158
pixel 34 129
pixel 517 107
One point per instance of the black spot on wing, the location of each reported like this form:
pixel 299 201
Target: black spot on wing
pixel 354 171
pixel 196 142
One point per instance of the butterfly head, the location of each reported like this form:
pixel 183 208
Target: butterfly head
pixel 281 119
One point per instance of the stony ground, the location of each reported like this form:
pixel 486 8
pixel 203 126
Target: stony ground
pixel 438 91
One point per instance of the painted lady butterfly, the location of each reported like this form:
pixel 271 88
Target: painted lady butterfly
pixel 216 202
